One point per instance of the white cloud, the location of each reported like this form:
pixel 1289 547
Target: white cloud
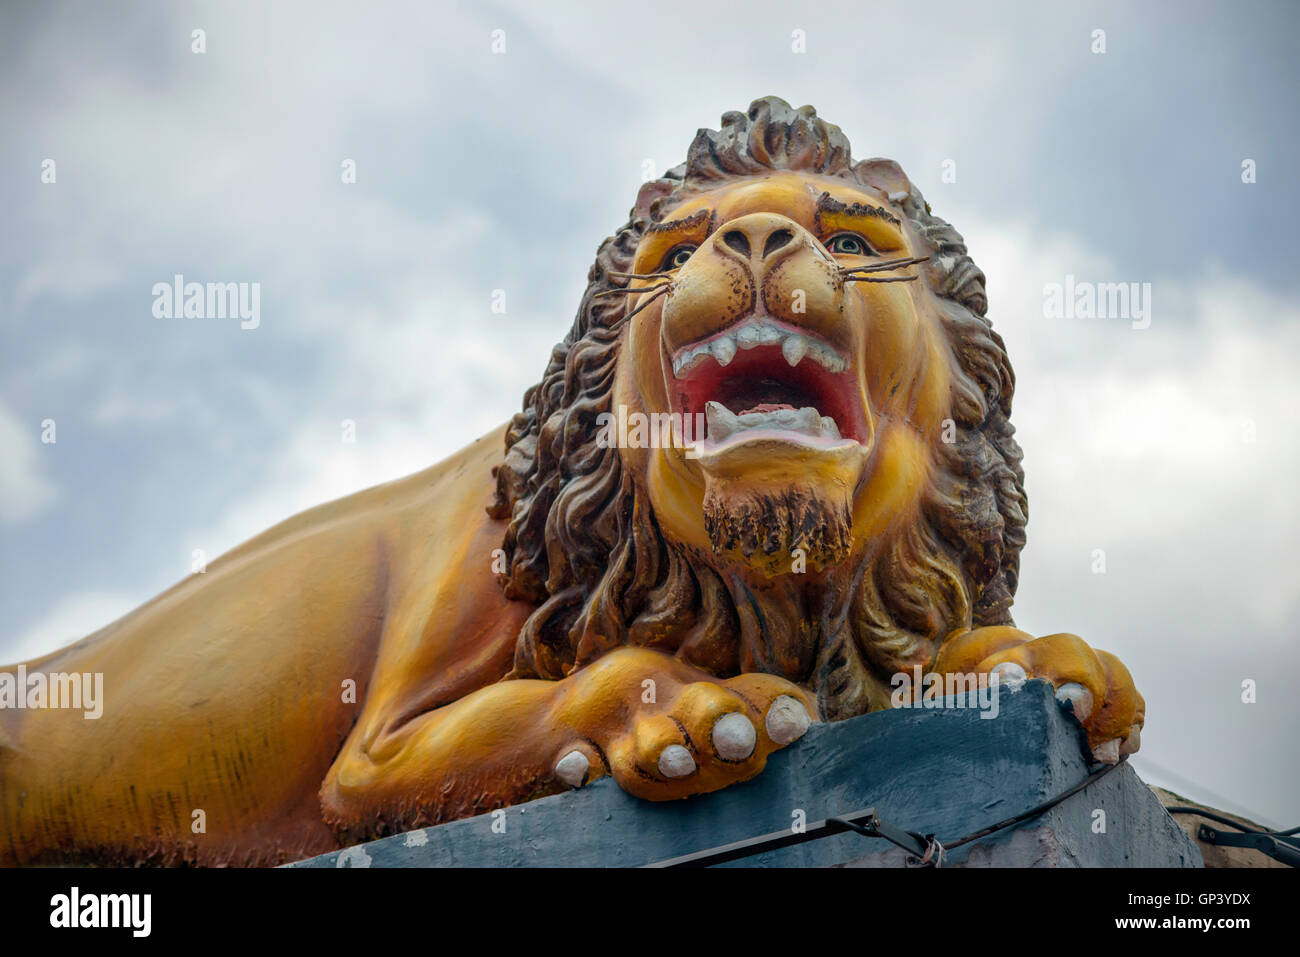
pixel 25 489
pixel 72 281
pixel 437 387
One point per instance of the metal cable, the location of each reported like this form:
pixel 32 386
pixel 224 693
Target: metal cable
pixel 1035 811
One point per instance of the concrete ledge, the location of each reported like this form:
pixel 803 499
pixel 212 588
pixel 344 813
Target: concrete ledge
pixel 943 771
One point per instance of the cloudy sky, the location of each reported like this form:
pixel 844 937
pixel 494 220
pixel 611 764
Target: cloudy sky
pixel 1172 449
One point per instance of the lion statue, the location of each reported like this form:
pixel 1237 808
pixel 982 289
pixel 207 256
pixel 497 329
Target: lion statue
pixel 839 500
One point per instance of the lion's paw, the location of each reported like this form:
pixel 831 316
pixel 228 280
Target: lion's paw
pixel 1093 684
pixel 697 737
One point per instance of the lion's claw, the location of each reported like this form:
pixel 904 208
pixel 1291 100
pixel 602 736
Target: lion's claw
pixel 572 769
pixel 1077 697
pixel 734 737
pixel 1010 675
pixel 787 720
pixel 676 762
pixel 1133 741
pixel 1107 752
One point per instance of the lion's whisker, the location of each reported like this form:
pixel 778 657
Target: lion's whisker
pixel 637 275
pixel 663 290
pixel 630 290
pixel 888 264
pixel 881 278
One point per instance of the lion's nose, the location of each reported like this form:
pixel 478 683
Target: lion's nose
pixel 758 236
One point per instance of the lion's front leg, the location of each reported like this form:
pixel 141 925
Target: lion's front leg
pixel 1095 684
pixel 661 728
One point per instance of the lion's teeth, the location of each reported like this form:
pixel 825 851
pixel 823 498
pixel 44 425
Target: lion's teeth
pixel 723 422
pixel 760 331
pixel 829 429
pixel 687 358
pixel 724 350
pixel 794 348
pixel 720 420
pixel 756 420
pixel 808 420
pixel 827 357
pixel 758 334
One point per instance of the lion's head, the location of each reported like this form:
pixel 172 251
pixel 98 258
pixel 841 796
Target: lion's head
pixel 857 495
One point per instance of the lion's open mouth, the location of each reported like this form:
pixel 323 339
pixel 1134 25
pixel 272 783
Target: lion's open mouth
pixel 768 379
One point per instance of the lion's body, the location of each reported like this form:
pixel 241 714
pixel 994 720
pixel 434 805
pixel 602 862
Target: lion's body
pixel 226 694
pixel 667 615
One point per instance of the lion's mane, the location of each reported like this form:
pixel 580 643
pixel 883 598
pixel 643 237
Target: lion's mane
pixel 582 540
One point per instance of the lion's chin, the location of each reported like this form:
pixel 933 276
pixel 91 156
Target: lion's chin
pixel 778 507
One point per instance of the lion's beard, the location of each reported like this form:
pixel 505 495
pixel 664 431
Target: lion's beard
pixel 796 526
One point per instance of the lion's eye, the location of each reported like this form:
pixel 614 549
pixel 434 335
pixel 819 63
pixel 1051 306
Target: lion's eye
pixel 848 244
pixel 678 257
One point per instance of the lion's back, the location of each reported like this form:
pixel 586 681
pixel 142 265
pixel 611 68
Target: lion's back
pixel 226 698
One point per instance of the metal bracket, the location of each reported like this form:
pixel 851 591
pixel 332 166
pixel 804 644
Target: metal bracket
pixel 1278 847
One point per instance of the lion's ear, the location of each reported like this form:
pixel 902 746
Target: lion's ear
pixel 886 176
pixel 653 190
